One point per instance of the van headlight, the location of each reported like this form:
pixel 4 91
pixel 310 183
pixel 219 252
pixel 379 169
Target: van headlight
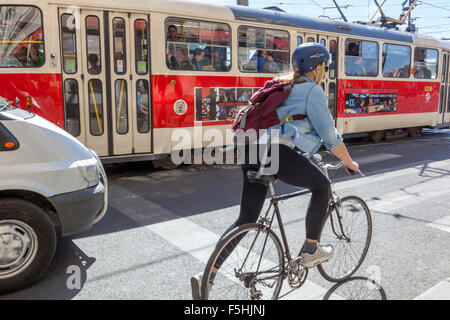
pixel 89 170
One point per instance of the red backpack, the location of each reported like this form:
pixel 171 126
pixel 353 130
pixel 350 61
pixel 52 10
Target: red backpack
pixel 261 112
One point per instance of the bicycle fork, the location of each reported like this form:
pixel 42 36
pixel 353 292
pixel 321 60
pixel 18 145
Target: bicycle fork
pixel 336 204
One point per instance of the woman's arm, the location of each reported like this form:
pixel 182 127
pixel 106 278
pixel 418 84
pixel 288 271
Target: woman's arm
pixel 342 153
pixel 322 122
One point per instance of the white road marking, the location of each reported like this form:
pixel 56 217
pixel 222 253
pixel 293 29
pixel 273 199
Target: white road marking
pixel 200 242
pixel 441 224
pixel 441 291
pixel 196 240
pixel 422 169
pixel 411 195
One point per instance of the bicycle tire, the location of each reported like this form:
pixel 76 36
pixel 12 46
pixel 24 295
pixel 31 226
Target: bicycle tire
pixel 334 270
pixel 227 285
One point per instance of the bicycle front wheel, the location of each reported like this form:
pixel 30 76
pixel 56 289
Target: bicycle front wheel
pixel 250 263
pixel 349 229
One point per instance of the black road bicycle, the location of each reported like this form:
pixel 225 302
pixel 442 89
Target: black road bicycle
pixel 257 262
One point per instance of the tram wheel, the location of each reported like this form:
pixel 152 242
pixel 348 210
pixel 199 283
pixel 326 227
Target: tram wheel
pixel 165 163
pixel 377 136
pixel 414 132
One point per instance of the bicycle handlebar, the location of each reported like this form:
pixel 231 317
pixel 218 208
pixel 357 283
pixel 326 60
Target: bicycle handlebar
pixel 328 166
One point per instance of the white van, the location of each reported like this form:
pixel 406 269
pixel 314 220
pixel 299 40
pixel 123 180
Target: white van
pixel 50 185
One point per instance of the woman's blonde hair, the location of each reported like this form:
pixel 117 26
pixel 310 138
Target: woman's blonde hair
pixel 289 77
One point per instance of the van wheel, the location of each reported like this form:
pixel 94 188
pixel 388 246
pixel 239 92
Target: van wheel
pixel 27 244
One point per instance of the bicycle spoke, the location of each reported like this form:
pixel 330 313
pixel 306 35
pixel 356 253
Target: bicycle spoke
pixel 355 224
pixel 252 268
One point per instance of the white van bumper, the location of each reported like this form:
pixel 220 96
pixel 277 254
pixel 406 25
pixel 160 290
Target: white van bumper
pixel 78 211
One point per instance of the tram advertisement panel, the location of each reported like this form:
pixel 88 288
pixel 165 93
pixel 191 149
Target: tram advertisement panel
pixel 220 104
pixel 371 101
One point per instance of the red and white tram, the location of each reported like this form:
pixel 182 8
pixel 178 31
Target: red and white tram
pixel 123 76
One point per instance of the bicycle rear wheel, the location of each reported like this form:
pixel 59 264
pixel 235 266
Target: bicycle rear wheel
pixel 350 236
pixel 251 260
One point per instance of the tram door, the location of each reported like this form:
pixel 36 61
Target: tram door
pixel 444 101
pixel 330 82
pixel 106 74
pixel 443 88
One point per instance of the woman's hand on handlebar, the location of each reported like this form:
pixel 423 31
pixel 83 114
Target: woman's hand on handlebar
pixel 351 167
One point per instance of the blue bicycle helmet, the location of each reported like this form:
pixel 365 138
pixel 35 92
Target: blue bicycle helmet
pixel 308 56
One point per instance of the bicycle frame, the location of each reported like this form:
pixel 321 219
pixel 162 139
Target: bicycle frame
pixel 267 222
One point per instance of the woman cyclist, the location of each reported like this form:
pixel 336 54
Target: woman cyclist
pixel 310 62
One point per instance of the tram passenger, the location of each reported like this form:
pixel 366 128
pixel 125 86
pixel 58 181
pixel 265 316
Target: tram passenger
pixel 142 116
pixel 271 65
pixel 36 55
pixel 423 73
pixel 352 50
pixel 404 72
pixel 307 97
pixel 93 64
pixel 198 56
pixel 261 59
pixel 219 56
pixel 354 65
pixel 176 54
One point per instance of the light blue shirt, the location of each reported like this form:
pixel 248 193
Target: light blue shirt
pixel 317 128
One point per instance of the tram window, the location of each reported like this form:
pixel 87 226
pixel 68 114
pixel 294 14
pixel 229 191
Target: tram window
pixel 93 45
pixel 69 43
pixel 141 46
pixel 95 107
pixel 120 53
pixel 425 63
pixel 197 45
pixel 299 40
pixel 263 50
pixel 333 53
pixel 21 37
pixel 143 106
pixel 323 42
pixel 396 61
pixel 72 107
pixel 361 58
pixel 121 91
pixel 311 39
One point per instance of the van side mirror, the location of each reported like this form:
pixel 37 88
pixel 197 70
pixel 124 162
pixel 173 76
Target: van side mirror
pixel 17 102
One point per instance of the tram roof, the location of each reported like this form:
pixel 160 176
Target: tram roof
pixel 243 13
pixel 293 20
pixel 176 7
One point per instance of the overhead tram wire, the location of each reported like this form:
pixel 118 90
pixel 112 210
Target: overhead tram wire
pixel 433 5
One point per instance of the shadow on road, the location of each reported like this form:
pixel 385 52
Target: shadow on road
pixel 64 279
pixel 357 288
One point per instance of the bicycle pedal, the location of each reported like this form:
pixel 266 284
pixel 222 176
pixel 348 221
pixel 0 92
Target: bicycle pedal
pixel 297 273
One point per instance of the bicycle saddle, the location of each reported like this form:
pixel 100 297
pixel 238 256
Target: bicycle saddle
pixel 252 176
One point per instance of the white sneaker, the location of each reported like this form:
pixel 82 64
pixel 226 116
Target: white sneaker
pixel 322 254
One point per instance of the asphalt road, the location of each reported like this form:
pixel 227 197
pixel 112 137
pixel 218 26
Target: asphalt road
pixel 161 226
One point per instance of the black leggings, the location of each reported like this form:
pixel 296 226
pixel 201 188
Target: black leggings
pixel 294 169
pixel 297 170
